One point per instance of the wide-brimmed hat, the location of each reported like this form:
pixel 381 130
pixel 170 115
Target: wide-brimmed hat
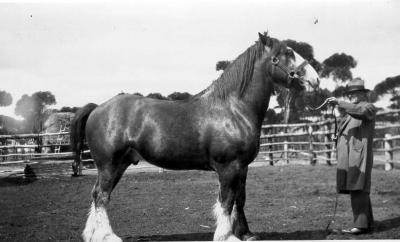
pixel 356 85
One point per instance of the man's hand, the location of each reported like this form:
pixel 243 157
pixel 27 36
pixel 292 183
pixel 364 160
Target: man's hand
pixel 332 100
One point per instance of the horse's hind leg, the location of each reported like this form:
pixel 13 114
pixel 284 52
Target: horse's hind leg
pixel 239 223
pixel 77 164
pixel 98 227
pixel 228 180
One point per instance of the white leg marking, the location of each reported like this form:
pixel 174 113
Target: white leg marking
pixel 234 215
pixel 98 228
pixel 223 232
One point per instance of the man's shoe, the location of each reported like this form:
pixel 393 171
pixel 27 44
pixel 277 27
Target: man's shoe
pixel 356 231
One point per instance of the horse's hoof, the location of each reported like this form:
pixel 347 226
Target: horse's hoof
pixel 250 237
pixel 113 238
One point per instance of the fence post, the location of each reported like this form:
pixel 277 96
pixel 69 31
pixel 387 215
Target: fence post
pixel 285 151
pixel 313 157
pixel 270 155
pixel 388 153
pixel 328 145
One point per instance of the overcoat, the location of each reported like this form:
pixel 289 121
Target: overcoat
pixel 354 147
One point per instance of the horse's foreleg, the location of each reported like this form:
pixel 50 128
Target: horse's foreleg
pixel 228 180
pixel 98 226
pixel 240 227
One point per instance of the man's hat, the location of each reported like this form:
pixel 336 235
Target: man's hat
pixel 356 85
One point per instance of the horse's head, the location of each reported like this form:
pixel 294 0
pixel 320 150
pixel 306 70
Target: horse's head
pixel 286 67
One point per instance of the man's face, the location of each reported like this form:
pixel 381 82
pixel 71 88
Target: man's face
pixel 356 96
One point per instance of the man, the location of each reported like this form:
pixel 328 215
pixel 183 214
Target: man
pixel 354 154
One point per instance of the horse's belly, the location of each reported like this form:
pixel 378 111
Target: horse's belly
pixel 175 157
pixel 180 164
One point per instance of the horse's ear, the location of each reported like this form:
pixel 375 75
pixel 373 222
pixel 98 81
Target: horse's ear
pixel 265 39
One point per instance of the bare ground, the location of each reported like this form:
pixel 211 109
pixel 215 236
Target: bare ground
pixel 293 202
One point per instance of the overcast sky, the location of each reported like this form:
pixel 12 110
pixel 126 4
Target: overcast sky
pixel 89 52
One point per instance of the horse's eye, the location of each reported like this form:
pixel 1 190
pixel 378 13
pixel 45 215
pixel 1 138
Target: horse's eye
pixel 292 74
pixel 275 60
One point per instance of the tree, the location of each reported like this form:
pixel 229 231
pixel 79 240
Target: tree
pixel 32 108
pixel 389 86
pixel 157 96
pixel 138 94
pixel 5 99
pixel 9 125
pixel 68 109
pixel 179 96
pixel 338 67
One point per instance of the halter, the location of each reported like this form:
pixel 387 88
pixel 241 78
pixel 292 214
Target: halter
pixel 290 73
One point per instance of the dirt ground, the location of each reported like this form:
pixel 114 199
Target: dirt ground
pixel 293 202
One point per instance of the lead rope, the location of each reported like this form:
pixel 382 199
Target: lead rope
pixel 334 139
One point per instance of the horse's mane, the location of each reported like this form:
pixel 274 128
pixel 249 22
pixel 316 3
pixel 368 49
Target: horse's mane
pixel 236 76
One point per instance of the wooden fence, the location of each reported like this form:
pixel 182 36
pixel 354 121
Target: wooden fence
pixel 314 142
pixel 34 146
pixel 279 142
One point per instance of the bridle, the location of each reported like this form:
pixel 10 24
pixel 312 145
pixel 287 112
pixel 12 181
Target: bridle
pixel 291 73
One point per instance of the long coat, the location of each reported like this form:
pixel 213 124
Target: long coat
pixel 354 147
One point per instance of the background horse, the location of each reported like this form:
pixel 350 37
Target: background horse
pixel 215 130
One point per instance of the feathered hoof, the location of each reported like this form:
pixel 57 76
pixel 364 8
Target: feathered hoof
pixel 250 237
pixel 230 237
pixel 101 237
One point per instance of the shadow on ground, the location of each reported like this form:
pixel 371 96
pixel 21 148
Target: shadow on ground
pixel 387 224
pixel 380 226
pixel 297 235
pixel 16 181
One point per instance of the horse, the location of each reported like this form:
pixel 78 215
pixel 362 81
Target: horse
pixel 77 135
pixel 216 130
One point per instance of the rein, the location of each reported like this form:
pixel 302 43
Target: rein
pixel 333 138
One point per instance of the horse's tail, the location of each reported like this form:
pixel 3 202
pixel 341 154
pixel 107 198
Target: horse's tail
pixel 77 135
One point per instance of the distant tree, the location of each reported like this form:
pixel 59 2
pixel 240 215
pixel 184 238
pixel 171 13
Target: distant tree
pixel 138 94
pixel 339 91
pixel 5 99
pixel 221 65
pixel 179 96
pixel 389 86
pixel 338 66
pixel 68 109
pixel 9 125
pixel 157 96
pixel 33 108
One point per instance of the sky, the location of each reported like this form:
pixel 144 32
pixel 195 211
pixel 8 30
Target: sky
pixel 90 51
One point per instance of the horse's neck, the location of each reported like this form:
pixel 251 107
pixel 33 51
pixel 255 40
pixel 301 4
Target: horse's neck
pixel 257 95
